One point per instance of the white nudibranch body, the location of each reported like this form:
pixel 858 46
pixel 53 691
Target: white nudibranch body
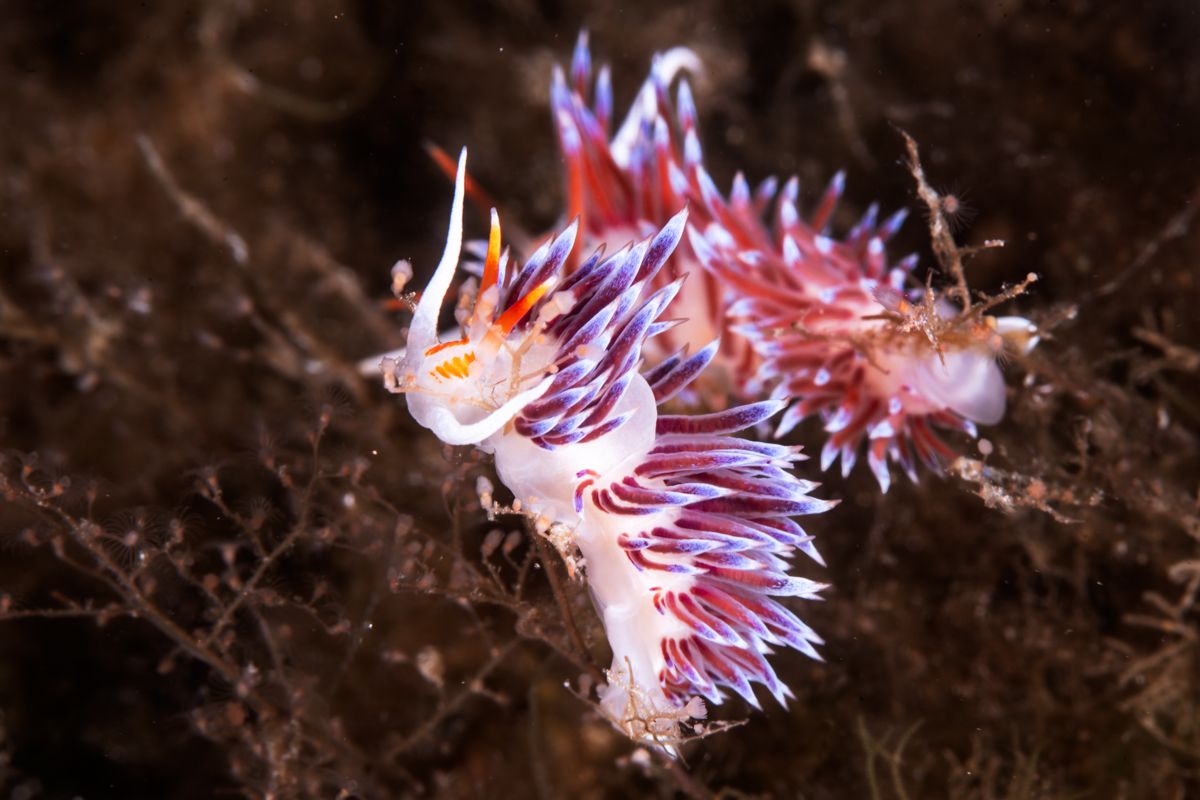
pixel 685 529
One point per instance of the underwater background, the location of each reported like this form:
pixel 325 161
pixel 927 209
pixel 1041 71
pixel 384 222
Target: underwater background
pixel 231 565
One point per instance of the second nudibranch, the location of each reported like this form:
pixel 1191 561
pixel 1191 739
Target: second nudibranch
pixel 805 316
pixel 685 528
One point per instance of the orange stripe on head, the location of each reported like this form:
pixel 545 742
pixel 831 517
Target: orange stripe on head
pixel 517 311
pixel 455 366
pixel 439 347
pixel 462 364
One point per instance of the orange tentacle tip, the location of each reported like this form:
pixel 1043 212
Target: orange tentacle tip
pixel 517 311
pixel 437 348
pixel 491 266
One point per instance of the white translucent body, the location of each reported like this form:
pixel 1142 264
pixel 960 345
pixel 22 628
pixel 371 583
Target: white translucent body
pixel 966 380
pixel 478 409
pixel 545 482
pixel 645 108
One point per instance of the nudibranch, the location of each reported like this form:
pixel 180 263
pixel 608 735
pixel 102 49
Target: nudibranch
pixel 842 336
pixel 816 321
pixel 685 529
pixel 629 185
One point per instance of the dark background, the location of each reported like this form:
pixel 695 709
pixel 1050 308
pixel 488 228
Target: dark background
pixel 199 205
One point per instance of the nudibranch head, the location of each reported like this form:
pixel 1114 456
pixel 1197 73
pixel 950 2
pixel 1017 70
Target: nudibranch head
pixel 841 335
pixel 467 389
pixel 962 374
pixel 534 333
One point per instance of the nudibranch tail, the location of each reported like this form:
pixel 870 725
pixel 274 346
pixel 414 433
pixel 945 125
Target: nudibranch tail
pixel 686 529
pixel 704 518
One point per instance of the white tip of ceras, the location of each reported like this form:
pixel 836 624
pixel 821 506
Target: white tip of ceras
pixel 666 67
pixel 1018 333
